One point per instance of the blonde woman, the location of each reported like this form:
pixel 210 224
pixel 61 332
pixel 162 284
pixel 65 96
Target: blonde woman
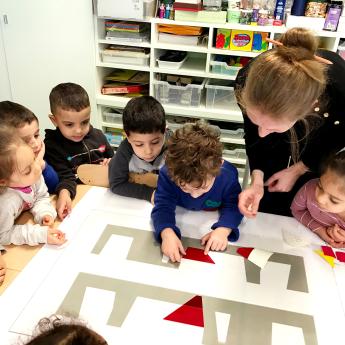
pixel 293 100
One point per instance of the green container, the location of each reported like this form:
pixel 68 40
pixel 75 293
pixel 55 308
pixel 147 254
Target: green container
pixel 234 15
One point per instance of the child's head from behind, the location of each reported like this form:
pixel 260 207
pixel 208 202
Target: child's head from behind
pixel 144 124
pixel 24 121
pixel 330 192
pixel 194 157
pixel 70 110
pixel 55 331
pixel 18 164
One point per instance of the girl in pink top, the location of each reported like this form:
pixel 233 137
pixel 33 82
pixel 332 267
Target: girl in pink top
pixel 320 203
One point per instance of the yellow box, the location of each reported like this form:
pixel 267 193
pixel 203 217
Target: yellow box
pixel 241 40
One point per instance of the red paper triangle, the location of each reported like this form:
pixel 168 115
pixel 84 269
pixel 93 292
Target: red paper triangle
pixel 328 251
pixel 190 313
pixel 245 251
pixel 197 254
pixel 340 256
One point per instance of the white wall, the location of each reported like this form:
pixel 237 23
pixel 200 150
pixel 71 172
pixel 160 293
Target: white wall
pixel 5 88
pixel 47 42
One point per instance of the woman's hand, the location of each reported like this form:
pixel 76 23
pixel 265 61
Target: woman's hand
pixel 284 180
pixel 249 199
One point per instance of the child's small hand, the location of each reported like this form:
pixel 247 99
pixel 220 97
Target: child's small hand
pixel 323 234
pixel 216 240
pixel 105 161
pixel 64 204
pixel 56 236
pixel 171 245
pixel 40 155
pixel 153 197
pixel 47 220
pixel 2 269
pixel 336 233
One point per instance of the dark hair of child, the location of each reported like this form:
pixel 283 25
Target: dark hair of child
pixel 143 115
pixel 68 96
pixel 15 115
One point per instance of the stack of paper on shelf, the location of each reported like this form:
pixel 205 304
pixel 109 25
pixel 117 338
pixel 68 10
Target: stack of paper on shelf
pixel 127 31
pixel 180 34
pixel 126 82
pixel 126 54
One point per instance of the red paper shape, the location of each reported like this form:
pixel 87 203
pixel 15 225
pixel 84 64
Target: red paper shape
pixel 245 251
pixel 190 313
pixel 328 251
pixel 197 254
pixel 340 256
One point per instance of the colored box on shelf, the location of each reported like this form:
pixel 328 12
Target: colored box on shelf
pixel 241 40
pixel 259 42
pixel 114 136
pixel 223 39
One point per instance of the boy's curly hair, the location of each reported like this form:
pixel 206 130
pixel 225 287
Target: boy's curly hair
pixel 64 330
pixel 194 152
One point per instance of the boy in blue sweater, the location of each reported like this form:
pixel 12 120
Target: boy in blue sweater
pixel 196 178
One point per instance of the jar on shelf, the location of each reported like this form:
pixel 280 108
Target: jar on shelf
pixel 263 17
pixel 316 8
pixel 246 17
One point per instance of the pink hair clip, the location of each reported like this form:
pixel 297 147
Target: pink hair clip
pixel 317 58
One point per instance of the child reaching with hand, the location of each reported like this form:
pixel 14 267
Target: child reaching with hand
pixel 22 188
pixel 320 203
pixel 74 142
pixel 197 178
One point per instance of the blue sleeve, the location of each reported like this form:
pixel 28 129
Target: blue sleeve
pixel 163 213
pixel 51 178
pixel 230 216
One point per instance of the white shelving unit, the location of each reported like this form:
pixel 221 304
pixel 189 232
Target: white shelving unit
pixel 197 65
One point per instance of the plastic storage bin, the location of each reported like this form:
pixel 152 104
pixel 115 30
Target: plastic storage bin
pixel 220 94
pixel 111 117
pixel 237 156
pixel 189 95
pixel 224 68
pixel 114 136
pixel 171 64
pixel 142 60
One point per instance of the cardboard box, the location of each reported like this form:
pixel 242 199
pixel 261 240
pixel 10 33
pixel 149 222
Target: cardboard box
pixel 223 38
pixel 128 9
pixel 241 40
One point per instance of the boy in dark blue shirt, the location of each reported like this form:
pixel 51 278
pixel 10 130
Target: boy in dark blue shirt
pixel 196 178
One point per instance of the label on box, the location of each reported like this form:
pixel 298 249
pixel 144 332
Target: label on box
pixel 241 40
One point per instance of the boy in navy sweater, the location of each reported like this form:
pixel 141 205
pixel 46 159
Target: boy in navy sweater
pixel 196 178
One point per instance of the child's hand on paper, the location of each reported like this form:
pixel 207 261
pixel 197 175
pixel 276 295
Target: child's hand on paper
pixel 56 236
pixel 64 204
pixel 2 269
pixel 171 245
pixel 47 220
pixel 336 233
pixel 323 234
pixel 216 240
